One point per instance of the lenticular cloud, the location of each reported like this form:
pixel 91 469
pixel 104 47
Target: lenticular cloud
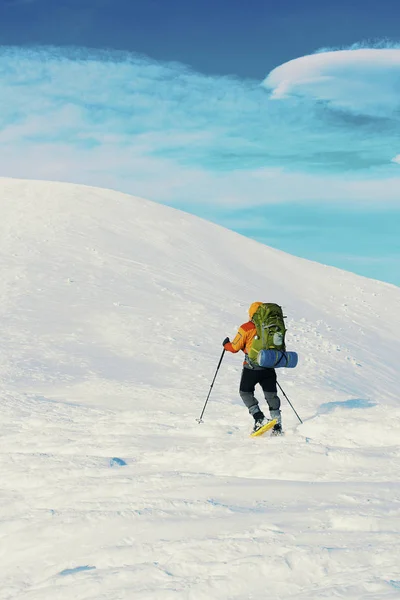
pixel 363 81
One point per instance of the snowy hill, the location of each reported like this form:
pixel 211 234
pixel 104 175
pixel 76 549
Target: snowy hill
pixel 113 310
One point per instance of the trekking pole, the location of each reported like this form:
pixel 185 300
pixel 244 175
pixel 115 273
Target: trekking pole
pixel 215 376
pixel 289 403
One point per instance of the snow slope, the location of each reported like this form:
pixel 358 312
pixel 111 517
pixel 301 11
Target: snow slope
pixel 113 310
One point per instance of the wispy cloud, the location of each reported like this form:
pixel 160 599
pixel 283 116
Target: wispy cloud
pixel 322 128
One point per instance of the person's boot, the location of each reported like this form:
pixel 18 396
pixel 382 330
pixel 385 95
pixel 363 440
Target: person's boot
pixel 277 429
pixel 259 419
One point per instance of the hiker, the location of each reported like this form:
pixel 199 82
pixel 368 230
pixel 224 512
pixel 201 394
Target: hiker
pixel 252 374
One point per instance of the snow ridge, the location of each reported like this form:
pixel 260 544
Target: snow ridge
pixel 113 311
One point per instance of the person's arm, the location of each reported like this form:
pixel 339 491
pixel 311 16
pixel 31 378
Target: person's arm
pixel 238 343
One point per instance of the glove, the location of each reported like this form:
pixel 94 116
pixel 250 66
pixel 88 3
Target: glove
pixel 226 341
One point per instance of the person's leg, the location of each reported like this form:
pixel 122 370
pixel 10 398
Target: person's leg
pixel 268 384
pixel 248 383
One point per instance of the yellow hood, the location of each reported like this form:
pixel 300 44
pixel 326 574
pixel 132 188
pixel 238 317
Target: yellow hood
pixel 253 309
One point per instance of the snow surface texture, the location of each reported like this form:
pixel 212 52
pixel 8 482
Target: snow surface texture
pixel 113 310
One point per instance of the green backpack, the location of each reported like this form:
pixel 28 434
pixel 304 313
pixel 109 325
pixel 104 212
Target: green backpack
pixel 271 330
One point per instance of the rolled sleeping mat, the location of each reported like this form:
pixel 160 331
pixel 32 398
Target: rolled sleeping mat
pixel 274 359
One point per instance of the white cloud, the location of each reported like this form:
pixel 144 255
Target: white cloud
pixel 164 132
pixel 363 81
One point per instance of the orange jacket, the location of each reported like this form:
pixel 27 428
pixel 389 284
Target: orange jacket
pixel 245 335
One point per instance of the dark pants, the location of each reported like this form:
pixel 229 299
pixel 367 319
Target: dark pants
pixel 266 378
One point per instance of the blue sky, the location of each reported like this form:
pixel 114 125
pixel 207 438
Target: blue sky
pixel 245 38
pixel 279 120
